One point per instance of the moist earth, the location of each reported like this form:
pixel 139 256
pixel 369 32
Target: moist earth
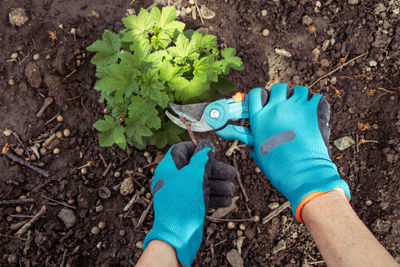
pixel 42 54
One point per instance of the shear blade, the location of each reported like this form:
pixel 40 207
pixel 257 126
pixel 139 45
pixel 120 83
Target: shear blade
pixel 192 112
pixel 195 126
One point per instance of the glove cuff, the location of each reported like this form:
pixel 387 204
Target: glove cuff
pixel 185 251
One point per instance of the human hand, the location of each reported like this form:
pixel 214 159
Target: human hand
pixel 185 183
pixel 291 143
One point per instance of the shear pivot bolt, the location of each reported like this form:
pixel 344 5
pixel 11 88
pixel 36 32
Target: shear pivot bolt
pixel 214 114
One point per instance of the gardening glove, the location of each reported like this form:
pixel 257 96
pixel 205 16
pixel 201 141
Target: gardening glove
pixel 185 182
pixel 291 143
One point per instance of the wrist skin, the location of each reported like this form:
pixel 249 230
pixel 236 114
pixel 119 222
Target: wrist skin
pixel 158 253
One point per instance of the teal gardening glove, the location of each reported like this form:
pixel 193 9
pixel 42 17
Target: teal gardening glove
pixel 185 183
pixel 291 143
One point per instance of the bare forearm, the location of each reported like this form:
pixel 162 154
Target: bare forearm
pixel 158 253
pixel 340 235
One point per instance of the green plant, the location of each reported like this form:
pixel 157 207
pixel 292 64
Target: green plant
pixel 146 65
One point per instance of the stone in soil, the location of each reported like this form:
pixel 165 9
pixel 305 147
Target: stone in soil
pixel 68 217
pixel 344 142
pixel 33 76
pixel 234 258
pixel 306 20
pixel 18 17
pixel 353 2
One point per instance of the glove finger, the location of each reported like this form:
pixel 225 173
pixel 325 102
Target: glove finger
pixel 255 100
pixel 222 171
pixel 219 201
pixel 221 188
pixel 300 94
pixel 181 153
pixel 278 92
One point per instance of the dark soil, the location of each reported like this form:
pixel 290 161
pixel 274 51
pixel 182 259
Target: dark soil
pixel 365 91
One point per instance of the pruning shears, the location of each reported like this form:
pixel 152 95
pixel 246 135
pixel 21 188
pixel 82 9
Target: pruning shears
pixel 215 116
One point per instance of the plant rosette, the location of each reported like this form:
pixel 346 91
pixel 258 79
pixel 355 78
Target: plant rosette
pixel 150 63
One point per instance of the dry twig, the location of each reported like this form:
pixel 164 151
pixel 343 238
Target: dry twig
pixel 56 201
pixel 144 214
pixel 187 124
pixel 16 201
pixel 276 212
pixel 335 70
pixel 47 102
pixel 133 199
pixel 239 179
pixel 31 221
pixel 26 164
pixel 215 220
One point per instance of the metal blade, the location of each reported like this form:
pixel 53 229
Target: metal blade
pixel 192 113
pixel 195 126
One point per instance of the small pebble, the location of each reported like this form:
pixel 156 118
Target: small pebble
pixel 306 20
pixel 265 32
pixel 148 195
pixel 152 170
pixel 105 111
pixel 121 232
pixel 99 208
pixel 36 57
pixel 7 132
pixel 66 132
pixel 11 82
pixel 256 218
pixel 146 154
pixel 33 157
pixel 60 118
pixel 22 197
pixel 140 170
pixel 333 80
pixel 101 225
pixel 73 31
pixel 117 174
pixel 18 209
pixel 95 230
pixel 239 232
pixel 61 26
pixel 258 170
pixel 59 134
pixel 324 62
pixel 368 202
pixel 14 56
pixel 353 2
pixel 71 201
pixel 139 244
pixel 56 151
pixel 84 170
pixel 264 12
pixel 43 151
pixel 231 225
pixel 273 205
pixel 191 2
pixel 127 186
pixel 372 63
pixel 242 227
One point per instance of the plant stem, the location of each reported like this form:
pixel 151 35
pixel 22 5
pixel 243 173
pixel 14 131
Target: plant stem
pixel 187 124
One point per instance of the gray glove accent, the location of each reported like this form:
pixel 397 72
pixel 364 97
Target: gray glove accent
pixel 324 114
pixel 276 140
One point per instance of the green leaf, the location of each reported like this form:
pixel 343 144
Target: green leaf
pixel 168 135
pixel 141 24
pixel 178 84
pixel 121 80
pixel 153 88
pixel 230 60
pixel 107 49
pixel 223 86
pixel 160 40
pixel 146 110
pixel 111 132
pixel 183 50
pixel 193 92
pixel 206 69
pixel 136 130
pixel 168 71
pixel 166 20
